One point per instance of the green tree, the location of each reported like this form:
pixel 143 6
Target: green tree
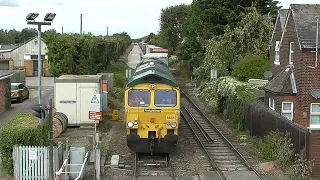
pixel 251 37
pixel 251 67
pixel 84 54
pixel 210 18
pixel 172 22
pixel 149 37
pixel 27 34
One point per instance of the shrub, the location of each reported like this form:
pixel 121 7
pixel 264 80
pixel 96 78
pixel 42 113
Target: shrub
pixel 301 168
pixel 24 130
pixel 251 67
pixel 226 91
pixel 277 146
pixel 120 80
pixel 119 71
pixel 115 98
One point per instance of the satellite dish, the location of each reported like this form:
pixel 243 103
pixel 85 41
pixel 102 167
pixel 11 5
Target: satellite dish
pixel 268 74
pixel 315 93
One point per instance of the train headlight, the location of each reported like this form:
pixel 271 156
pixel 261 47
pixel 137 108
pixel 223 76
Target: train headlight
pixel 136 123
pixel 168 123
pixel 130 124
pixel 173 124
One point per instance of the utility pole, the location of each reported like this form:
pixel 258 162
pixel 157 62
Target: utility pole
pixel 39 67
pixel 62 30
pixel 107 30
pixel 80 24
pixel 51 175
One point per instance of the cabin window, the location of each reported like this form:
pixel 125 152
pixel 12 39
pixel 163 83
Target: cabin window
pixel 287 110
pixel 291 53
pixel 271 104
pixel 315 115
pixel 139 98
pixel 165 98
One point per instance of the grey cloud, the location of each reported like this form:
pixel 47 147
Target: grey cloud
pixel 9 3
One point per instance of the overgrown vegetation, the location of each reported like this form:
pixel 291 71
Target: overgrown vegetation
pixel 251 67
pixel 277 147
pixel 24 130
pixel 84 54
pixel 116 94
pixel 228 91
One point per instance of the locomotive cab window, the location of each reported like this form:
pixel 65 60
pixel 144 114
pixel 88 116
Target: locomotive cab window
pixel 165 98
pixel 139 98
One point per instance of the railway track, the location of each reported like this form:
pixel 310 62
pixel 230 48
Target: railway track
pixel 156 165
pixel 222 155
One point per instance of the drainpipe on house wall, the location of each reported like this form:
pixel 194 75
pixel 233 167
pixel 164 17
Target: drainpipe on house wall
pixel 317 39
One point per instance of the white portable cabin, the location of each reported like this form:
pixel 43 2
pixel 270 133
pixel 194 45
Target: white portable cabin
pixel 72 94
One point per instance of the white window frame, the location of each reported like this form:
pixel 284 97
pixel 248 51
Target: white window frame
pixel 277 53
pixel 314 126
pixel 287 111
pixel 272 104
pixel 291 52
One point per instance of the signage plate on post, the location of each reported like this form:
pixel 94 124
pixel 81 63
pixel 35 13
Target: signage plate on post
pixel 95 103
pixel 33 154
pixel 95 115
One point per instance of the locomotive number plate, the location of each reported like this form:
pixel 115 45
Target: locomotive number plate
pixel 171 117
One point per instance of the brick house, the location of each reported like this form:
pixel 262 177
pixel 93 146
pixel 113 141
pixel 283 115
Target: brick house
pixel 296 73
pixel 25 57
pixel 5 90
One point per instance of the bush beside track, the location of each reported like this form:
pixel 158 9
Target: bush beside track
pixel 24 130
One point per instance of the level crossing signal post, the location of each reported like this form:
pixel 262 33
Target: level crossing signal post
pixel 40 112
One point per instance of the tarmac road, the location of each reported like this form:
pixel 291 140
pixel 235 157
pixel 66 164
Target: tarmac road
pixel 25 106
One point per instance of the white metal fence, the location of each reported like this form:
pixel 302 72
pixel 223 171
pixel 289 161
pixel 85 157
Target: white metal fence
pixel 32 162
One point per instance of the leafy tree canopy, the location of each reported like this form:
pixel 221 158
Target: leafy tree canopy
pixel 210 18
pixel 13 36
pixel 251 37
pixel 251 67
pixel 84 54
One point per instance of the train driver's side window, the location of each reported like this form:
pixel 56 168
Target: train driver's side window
pixel 166 98
pixel 139 98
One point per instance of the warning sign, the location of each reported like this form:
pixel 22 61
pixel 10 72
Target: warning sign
pixel 95 104
pixel 94 99
pixel 95 115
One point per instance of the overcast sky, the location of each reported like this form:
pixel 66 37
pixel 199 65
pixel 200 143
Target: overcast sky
pixel 137 17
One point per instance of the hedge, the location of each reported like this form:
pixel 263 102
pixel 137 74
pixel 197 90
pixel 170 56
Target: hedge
pixel 24 130
pixel 84 54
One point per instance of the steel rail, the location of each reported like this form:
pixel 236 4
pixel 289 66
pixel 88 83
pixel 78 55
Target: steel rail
pixel 213 164
pixel 222 136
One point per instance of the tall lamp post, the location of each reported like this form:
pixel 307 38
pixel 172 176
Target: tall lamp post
pixel 30 18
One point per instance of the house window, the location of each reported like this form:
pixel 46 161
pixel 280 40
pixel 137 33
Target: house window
pixel 287 110
pixel 315 115
pixel 291 53
pixel 271 104
pixel 277 53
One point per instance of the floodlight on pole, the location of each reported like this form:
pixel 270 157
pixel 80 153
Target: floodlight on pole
pixel 32 16
pixel 49 17
pixel 39 109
